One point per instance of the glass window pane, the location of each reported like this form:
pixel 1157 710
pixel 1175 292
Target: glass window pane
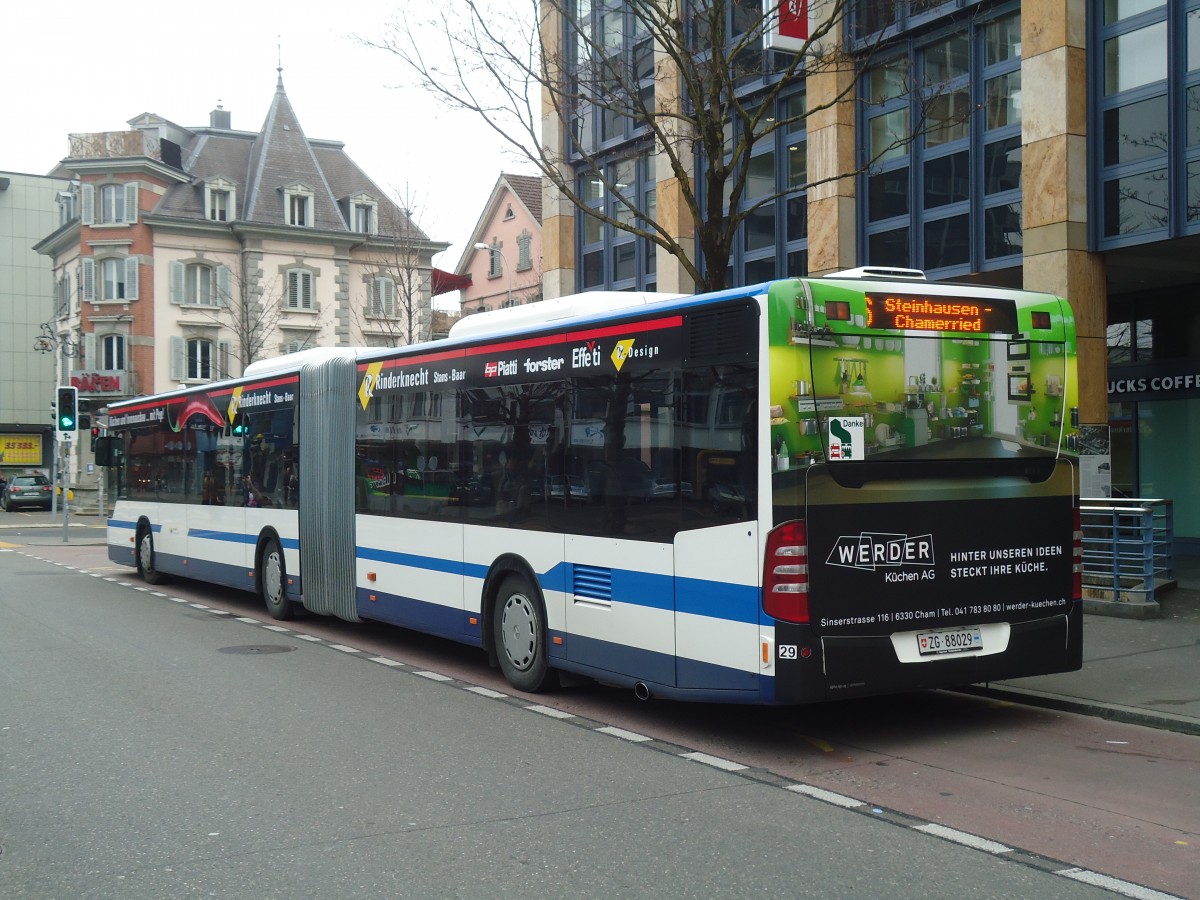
pixel 888 81
pixel 760 180
pixel 947 179
pixel 624 261
pixel 1002 231
pixel 1002 96
pixel 1135 131
pixel 1002 166
pixel 889 248
pixel 871 16
pixel 797 263
pixel 1135 203
pixel 948 59
pixel 887 195
pixel 948 242
pixel 1193 40
pixel 593 188
pixel 1115 10
pixel 888 134
pixel 760 270
pixel 1136 58
pixel 797 164
pixel 797 218
pixel 949 118
pixel 1193 189
pixel 593 229
pixel 593 268
pixel 759 229
pixel 1002 39
pixel 794 107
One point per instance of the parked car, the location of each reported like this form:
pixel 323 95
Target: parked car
pixel 27 490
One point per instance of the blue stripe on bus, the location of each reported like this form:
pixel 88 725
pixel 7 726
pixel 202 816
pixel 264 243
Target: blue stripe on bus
pixel 695 596
pixel 718 599
pixel 209 534
pixel 121 523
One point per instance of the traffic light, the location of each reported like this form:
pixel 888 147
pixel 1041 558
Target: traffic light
pixel 95 434
pixel 67 416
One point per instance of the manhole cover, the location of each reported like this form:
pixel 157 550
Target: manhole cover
pixel 258 648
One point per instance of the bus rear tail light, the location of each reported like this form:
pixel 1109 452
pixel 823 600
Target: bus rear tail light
pixel 785 573
pixel 1077 555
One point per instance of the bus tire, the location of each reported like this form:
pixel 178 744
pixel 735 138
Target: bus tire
pixel 145 557
pixel 519 630
pixel 272 581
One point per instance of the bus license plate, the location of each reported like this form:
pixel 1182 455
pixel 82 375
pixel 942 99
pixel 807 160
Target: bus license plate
pixel 949 640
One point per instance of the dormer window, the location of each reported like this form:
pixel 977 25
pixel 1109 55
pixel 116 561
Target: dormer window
pixel 220 200
pixel 298 206
pixel 364 214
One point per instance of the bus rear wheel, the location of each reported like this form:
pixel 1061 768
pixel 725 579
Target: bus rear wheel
pixel 272 581
pixel 145 557
pixel 519 630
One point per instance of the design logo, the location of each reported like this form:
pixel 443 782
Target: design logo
pixel 622 352
pixel 366 390
pixel 871 551
pixel 235 400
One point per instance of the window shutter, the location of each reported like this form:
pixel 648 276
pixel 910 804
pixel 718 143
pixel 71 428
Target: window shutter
pixel 88 277
pixel 131 277
pixel 88 193
pixel 178 360
pixel 223 286
pixel 224 355
pixel 89 351
pixel 131 199
pixel 177 289
pixel 307 289
pixel 389 297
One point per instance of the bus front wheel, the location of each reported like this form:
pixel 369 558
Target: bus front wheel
pixel 272 581
pixel 519 629
pixel 145 557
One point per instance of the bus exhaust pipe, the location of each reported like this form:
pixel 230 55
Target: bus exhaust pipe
pixel 641 691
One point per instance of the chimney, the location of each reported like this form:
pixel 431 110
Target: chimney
pixel 219 118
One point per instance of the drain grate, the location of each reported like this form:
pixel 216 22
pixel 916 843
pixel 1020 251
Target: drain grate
pixel 258 648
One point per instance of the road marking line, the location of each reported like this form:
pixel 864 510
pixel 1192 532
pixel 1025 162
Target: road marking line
pixel 309 637
pixel 277 628
pixel 715 761
pixel 550 711
pixel 341 647
pixel 623 734
pixel 487 692
pixel 827 796
pixel 434 676
pixel 1116 885
pixel 961 837
pixel 383 660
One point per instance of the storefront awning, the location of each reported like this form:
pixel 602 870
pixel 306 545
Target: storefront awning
pixel 445 282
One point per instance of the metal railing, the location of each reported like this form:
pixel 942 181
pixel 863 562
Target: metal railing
pixel 1128 546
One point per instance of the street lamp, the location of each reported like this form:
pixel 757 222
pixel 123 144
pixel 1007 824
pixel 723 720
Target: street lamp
pixel 503 259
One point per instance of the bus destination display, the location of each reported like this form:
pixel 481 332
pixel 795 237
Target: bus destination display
pixel 914 312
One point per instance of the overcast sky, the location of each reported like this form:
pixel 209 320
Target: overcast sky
pixel 76 66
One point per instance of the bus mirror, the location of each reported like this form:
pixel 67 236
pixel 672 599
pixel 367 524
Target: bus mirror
pixel 108 451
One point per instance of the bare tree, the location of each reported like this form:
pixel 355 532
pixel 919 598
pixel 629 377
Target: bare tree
pixel 504 61
pixel 397 309
pixel 254 309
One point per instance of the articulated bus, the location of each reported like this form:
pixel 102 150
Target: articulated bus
pixel 804 490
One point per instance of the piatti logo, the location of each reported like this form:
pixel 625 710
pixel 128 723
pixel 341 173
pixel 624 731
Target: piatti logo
pixel 876 550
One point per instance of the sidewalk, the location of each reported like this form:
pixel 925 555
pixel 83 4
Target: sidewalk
pixel 1143 671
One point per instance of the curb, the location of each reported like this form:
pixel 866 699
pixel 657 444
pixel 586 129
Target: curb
pixel 1114 712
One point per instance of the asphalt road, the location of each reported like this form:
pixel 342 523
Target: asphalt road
pixel 153 748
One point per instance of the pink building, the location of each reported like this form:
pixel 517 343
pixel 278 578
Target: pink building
pixel 507 269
